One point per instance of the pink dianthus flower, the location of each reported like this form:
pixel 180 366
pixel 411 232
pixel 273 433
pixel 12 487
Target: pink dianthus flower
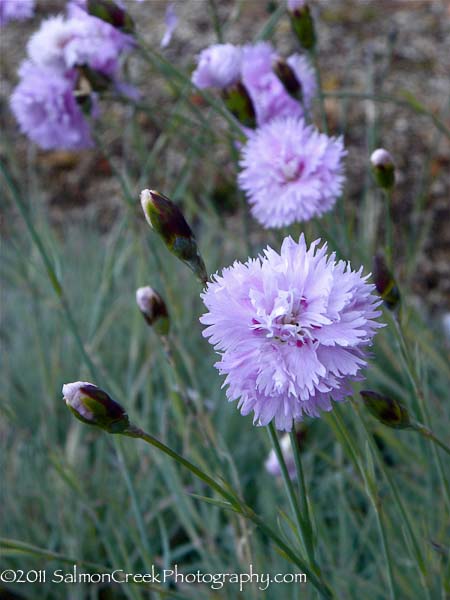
pixel 292 330
pixel 291 172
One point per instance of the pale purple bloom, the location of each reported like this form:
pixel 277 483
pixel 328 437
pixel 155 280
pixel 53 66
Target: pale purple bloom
pixel 295 4
pixel 291 172
pixel 46 109
pixel 15 10
pixel 81 40
pixel 291 329
pixel 273 466
pixel 218 66
pixel 268 94
pixel 381 158
pixel 171 21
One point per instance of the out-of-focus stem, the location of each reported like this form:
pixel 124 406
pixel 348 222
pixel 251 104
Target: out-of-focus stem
pixel 304 527
pixel 371 492
pixel 415 381
pixel 304 507
pixel 236 504
pixel 320 95
pixel 388 242
pixel 401 508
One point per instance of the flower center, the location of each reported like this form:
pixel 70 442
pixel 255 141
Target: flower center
pixel 291 170
pixel 283 323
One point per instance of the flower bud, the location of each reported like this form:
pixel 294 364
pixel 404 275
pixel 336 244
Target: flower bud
pixel 385 282
pixel 112 13
pixel 388 411
pixel 93 406
pixel 383 168
pixel 153 309
pixel 167 220
pixel 238 101
pixel 302 23
pixel 288 78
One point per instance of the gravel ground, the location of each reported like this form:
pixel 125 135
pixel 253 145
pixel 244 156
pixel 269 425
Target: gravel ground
pixel 378 46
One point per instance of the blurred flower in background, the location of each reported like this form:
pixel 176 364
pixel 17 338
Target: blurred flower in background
pixel 219 66
pixel 291 329
pixel 222 65
pixel 270 97
pixel 291 172
pixel 70 60
pixel 46 108
pixel 15 10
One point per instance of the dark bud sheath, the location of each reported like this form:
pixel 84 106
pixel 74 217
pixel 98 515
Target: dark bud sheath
pixel 91 405
pixel 112 13
pixel 388 411
pixel 288 78
pixel 153 309
pixel 303 26
pixel 96 81
pixel 238 101
pixel 385 283
pixel 168 221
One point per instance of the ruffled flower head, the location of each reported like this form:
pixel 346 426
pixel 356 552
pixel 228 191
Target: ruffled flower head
pixel 218 66
pixel 291 329
pixel 15 10
pixel 80 40
pixel 291 172
pixel 47 111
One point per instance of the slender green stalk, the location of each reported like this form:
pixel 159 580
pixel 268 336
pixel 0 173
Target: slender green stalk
pixel 384 543
pixel 371 492
pixel 415 381
pixel 320 94
pixel 388 242
pixel 216 20
pixel 293 501
pixel 303 522
pixel 235 504
pixel 427 433
pixel 304 505
pixel 417 552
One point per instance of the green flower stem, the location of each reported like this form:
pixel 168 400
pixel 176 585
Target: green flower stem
pixel 293 501
pixel 401 507
pixel 388 242
pixel 320 94
pixel 304 507
pixel 427 433
pixel 235 504
pixel 371 492
pixel 415 381
pixel 303 524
